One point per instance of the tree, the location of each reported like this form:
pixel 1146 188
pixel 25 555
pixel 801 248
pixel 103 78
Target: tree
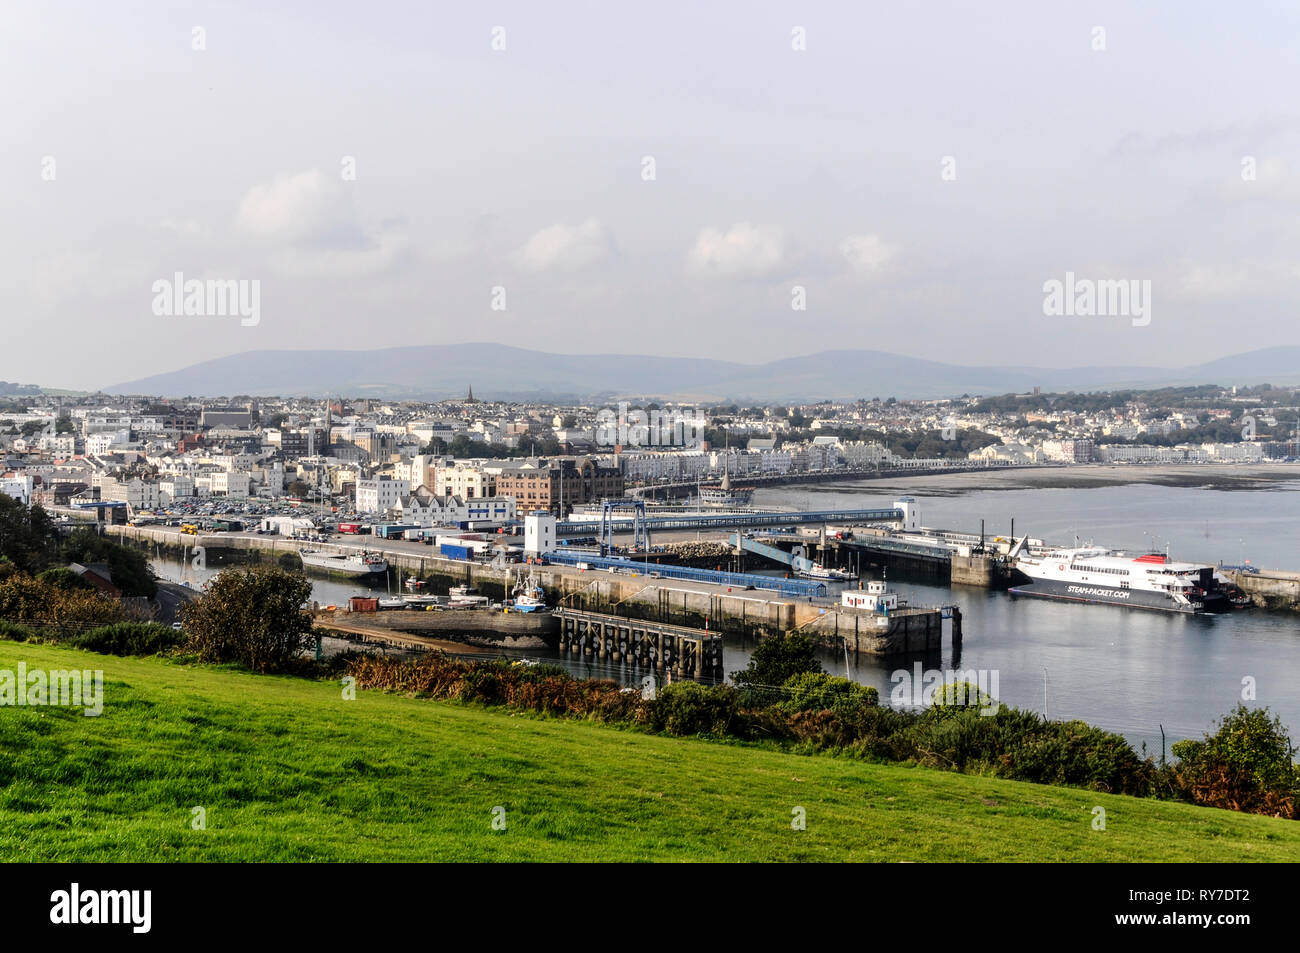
pixel 778 658
pixel 25 599
pixel 1247 765
pixel 252 617
pixel 436 447
pixel 299 489
pixel 64 578
pixel 797 420
pixel 569 420
pixel 64 425
pixel 129 567
pixel 27 535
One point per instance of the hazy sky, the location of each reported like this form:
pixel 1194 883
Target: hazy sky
pixel 523 168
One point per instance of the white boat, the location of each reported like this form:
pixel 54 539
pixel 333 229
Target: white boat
pixel 422 601
pixel 1148 581
pixel 466 597
pixel 529 596
pixel 347 564
pixel 818 571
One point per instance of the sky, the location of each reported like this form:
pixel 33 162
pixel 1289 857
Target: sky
pixel 747 180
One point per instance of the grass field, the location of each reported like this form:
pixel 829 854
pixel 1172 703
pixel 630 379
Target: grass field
pixel 286 769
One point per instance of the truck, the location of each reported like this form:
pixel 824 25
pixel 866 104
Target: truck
pixel 350 528
pixel 453 551
pixel 393 530
pixel 191 529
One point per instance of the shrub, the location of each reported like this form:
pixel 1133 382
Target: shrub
pixel 15 632
pixel 818 691
pixel 1247 765
pixel 954 696
pixel 129 638
pixel 689 708
pixel 29 600
pixel 778 658
pixel 252 617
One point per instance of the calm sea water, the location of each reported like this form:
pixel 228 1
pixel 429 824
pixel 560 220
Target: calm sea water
pixel 1127 670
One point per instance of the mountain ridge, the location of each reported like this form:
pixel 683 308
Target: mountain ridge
pixel 443 371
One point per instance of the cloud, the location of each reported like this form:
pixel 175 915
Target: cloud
pixel 866 254
pixel 743 251
pixel 567 247
pixel 305 208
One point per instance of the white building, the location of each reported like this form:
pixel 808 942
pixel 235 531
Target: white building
pixel 539 533
pixel 19 487
pixel 381 494
pixel 136 493
pixel 175 487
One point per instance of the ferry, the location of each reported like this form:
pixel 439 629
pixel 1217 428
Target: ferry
pixel 347 564
pixel 1098 575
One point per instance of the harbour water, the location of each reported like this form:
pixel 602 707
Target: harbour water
pixel 1128 670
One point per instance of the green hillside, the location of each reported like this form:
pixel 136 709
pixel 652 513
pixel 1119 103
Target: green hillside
pixel 286 769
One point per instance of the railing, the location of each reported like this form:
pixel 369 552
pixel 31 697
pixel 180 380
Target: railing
pixel 786 587
pixel 736 520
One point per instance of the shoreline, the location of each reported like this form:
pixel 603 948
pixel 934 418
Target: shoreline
pixel 1214 476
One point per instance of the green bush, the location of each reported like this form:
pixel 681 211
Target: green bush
pixel 15 632
pixel 128 638
pixel 689 708
pixel 819 691
pixel 1247 765
pixel 953 696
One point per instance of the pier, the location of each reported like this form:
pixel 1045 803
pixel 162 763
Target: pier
pixel 672 651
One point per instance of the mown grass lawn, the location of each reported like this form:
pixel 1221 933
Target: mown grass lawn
pixel 286 769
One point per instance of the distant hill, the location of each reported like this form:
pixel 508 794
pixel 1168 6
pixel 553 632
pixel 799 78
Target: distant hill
pixel 508 373
pixel 10 389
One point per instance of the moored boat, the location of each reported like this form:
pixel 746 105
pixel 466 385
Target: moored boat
pixel 1097 575
pixel 347 564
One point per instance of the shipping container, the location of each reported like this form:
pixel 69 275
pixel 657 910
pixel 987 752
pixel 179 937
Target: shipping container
pixel 452 551
pixel 363 604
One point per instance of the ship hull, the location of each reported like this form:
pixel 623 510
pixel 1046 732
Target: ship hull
pixel 1111 596
pixel 341 566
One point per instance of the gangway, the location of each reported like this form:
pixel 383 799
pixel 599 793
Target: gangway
pixel 775 553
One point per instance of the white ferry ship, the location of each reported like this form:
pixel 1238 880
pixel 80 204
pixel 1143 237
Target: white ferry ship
pixel 1150 581
pixel 347 564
